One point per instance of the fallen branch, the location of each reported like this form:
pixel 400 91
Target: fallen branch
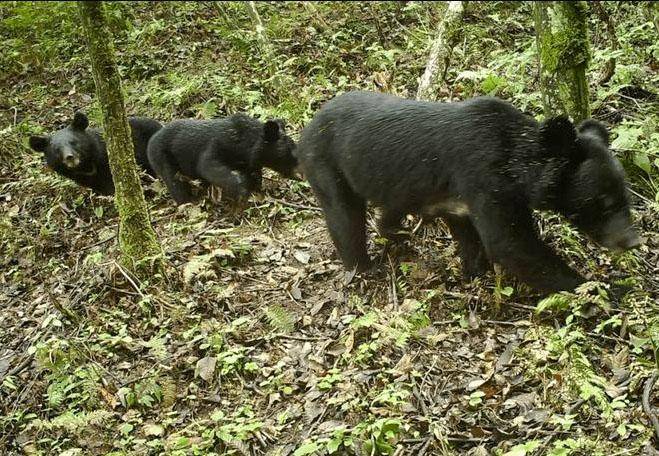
pixel 299 206
pixel 647 389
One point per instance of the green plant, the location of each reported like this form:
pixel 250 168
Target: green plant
pixel 280 318
pixel 379 436
pixel 145 393
pixel 327 382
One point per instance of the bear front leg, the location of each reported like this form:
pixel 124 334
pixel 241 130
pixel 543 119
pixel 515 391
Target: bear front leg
pixel 345 215
pixel 509 236
pixel 233 182
pixel 254 180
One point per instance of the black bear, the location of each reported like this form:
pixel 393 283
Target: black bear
pixel 481 165
pixel 229 153
pixel 79 153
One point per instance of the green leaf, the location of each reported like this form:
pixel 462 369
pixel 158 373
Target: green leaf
pixel 523 449
pixel 334 444
pixel 126 428
pixel 642 161
pixel 627 137
pixel 508 291
pixel 476 398
pixel 307 448
pixel 621 429
pixel 153 429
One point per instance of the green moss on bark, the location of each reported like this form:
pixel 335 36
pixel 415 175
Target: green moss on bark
pixel 137 240
pixel 564 53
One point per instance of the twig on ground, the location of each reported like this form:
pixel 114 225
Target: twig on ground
pixel 299 206
pixel 647 408
pixel 98 243
pixel 130 280
pixel 425 446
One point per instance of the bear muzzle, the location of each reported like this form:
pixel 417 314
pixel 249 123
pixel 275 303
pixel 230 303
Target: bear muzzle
pixel 70 158
pixel 619 234
pixel 629 241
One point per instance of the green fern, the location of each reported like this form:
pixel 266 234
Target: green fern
pixel 168 392
pixel 157 347
pixel 74 423
pixel 280 318
pixel 554 302
pixel 365 321
pixel 56 392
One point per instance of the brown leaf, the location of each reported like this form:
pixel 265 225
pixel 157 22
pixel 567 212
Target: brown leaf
pixel 301 256
pixel 206 368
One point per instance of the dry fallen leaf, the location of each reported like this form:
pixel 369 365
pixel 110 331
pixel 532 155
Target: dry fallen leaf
pixel 206 368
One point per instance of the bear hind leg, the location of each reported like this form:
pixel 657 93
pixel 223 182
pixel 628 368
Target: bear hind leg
pixel 470 248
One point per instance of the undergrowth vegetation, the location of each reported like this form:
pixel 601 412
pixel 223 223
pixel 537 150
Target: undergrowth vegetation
pixel 256 342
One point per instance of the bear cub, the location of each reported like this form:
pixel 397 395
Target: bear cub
pixel 481 165
pixel 229 153
pixel 79 153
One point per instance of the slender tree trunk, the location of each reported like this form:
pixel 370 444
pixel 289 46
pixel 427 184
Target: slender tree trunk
pixel 137 240
pixel 265 46
pixel 564 52
pixel 610 67
pixel 448 33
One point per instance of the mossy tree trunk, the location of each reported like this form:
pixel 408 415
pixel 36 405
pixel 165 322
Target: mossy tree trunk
pixel 564 53
pixel 448 33
pixel 137 240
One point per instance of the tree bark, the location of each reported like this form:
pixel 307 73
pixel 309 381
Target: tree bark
pixel 564 53
pixel 265 46
pixel 137 240
pixel 448 33
pixel 610 67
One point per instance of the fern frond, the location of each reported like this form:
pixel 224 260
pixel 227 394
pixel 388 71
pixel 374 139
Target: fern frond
pixel 280 318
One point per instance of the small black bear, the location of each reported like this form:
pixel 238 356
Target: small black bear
pixel 481 165
pixel 79 153
pixel 229 153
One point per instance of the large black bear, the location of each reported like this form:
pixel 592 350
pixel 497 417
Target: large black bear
pixel 229 153
pixel 481 165
pixel 79 153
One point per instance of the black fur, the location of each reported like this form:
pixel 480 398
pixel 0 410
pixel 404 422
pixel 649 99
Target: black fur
pixel 79 153
pixel 229 153
pixel 481 165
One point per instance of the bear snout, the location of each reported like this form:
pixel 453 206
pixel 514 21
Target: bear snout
pixel 621 240
pixel 70 159
pixel 630 241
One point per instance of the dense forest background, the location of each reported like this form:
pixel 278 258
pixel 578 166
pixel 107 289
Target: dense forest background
pixel 251 342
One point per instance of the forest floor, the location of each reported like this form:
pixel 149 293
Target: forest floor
pixel 256 340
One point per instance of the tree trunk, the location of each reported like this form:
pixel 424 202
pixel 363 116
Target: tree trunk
pixel 610 67
pixel 563 52
pixel 137 240
pixel 266 48
pixel 448 33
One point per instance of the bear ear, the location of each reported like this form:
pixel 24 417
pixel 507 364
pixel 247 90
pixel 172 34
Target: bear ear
pixel 80 121
pixel 271 132
pixel 39 143
pixel 559 136
pixel 594 128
